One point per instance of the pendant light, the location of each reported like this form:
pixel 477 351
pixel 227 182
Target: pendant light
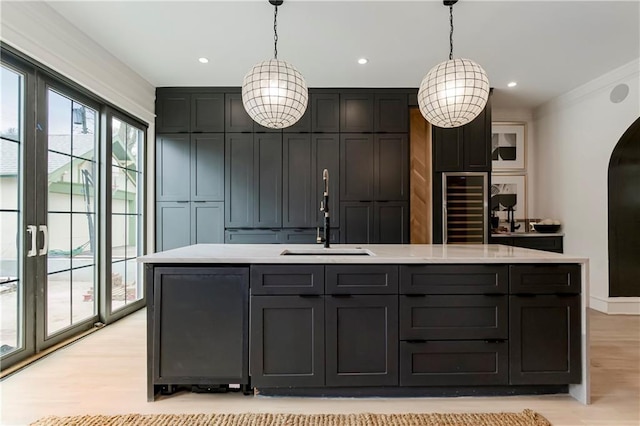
pixel 453 92
pixel 274 93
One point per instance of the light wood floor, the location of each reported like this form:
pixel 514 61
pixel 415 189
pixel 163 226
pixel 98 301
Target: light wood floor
pixel 105 373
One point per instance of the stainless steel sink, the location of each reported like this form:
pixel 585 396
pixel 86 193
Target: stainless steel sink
pixel 327 252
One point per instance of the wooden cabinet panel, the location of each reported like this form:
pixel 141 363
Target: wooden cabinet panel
pixel 454 279
pixel 287 341
pixel 462 363
pixel 173 111
pixel 544 340
pixel 207 112
pixel 207 167
pixel 545 279
pixel 287 279
pixel 173 158
pixel 391 168
pixel 391 222
pixel 325 112
pixel 207 222
pixel 391 113
pixel 454 317
pixel 356 167
pixel 361 279
pixel 267 182
pixel 200 325
pixel 173 225
pixel 239 180
pixel 356 112
pixel 236 118
pixel 298 196
pixel 361 341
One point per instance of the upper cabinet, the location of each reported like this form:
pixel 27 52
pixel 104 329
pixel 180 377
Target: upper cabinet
pixel 466 148
pixel 325 112
pixel 390 113
pixel 236 119
pixel 356 112
pixel 184 112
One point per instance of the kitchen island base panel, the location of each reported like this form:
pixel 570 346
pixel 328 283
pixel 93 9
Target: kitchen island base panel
pixel 413 391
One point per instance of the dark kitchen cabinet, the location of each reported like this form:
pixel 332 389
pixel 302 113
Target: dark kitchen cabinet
pixel 236 119
pixel 185 111
pixel 359 279
pixel 199 326
pixel 326 155
pixel 374 167
pixel 325 112
pixel 356 112
pixel 252 236
pixel 466 148
pixel 303 125
pixel 287 343
pixel 253 167
pixel 373 222
pixel 207 222
pixel 551 243
pixel 390 113
pixel 299 200
pixel 361 340
pixel 207 167
pixel 173 225
pixel 173 165
pixel 307 236
pixel 454 279
pixel 287 280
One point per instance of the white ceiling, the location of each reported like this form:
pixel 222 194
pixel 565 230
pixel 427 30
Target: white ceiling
pixel 548 47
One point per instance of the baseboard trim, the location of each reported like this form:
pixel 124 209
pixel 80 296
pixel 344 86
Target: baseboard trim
pixel 616 305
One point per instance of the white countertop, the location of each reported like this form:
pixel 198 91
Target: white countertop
pixel 382 253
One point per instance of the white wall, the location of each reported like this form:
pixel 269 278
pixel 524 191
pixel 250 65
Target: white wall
pixel 39 32
pixel 575 135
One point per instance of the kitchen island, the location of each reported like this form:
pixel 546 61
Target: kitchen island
pixel 364 320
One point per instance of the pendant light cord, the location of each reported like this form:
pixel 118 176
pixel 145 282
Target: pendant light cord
pixel 275 33
pixel 450 33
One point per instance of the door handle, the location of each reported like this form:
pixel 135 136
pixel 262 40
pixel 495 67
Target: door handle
pixel 45 243
pixel 33 230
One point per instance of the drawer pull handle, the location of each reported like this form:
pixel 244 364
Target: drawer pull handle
pixel 308 295
pixel 416 341
pixel 495 341
pixel 340 295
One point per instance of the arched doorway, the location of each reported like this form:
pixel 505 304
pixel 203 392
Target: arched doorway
pixel 624 215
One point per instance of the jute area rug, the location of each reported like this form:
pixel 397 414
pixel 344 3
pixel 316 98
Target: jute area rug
pixel 526 418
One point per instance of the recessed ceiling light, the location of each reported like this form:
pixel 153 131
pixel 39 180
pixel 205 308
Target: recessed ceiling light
pixel 363 61
pixel 203 60
pixel 512 84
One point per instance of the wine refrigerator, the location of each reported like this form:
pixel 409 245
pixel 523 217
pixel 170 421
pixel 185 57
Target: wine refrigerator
pixel 464 208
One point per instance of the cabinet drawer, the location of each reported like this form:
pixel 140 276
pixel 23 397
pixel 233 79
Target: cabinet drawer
pixel 453 317
pixel 544 279
pixel 454 279
pixel 362 279
pixel 464 363
pixel 287 279
pixel 553 244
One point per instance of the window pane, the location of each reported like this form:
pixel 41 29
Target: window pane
pixel 10 283
pixel 84 131
pixel 134 138
pixel 132 237
pixel 118 236
pixel 118 190
pixel 59 120
pixel 82 240
pixel 132 193
pixel 59 188
pixel 59 257
pixel 83 294
pixel 83 198
pixel 133 281
pixel 118 275
pixel 9 248
pixel 9 163
pixel 58 301
pixel 11 101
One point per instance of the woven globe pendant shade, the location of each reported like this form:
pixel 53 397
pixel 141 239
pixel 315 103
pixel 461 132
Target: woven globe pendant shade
pixel 453 93
pixel 274 94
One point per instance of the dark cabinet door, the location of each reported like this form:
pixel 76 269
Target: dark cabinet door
pixel 200 325
pixel 173 160
pixel 173 112
pixel 325 112
pixel 461 363
pixel 390 113
pixel 391 168
pixel 326 155
pixel 447 149
pixel 287 280
pixel 545 279
pixel 252 236
pixel 391 222
pixel 299 200
pixel 356 112
pixel 207 222
pixel 207 167
pixel 356 167
pixel 287 341
pixel 361 341
pixel 552 244
pixel 454 279
pixel 477 143
pixel 361 279
pixel 267 202
pixel 356 222
pixel 239 180
pixel 173 225
pixel 207 112
pixel 544 340
pixel 236 118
